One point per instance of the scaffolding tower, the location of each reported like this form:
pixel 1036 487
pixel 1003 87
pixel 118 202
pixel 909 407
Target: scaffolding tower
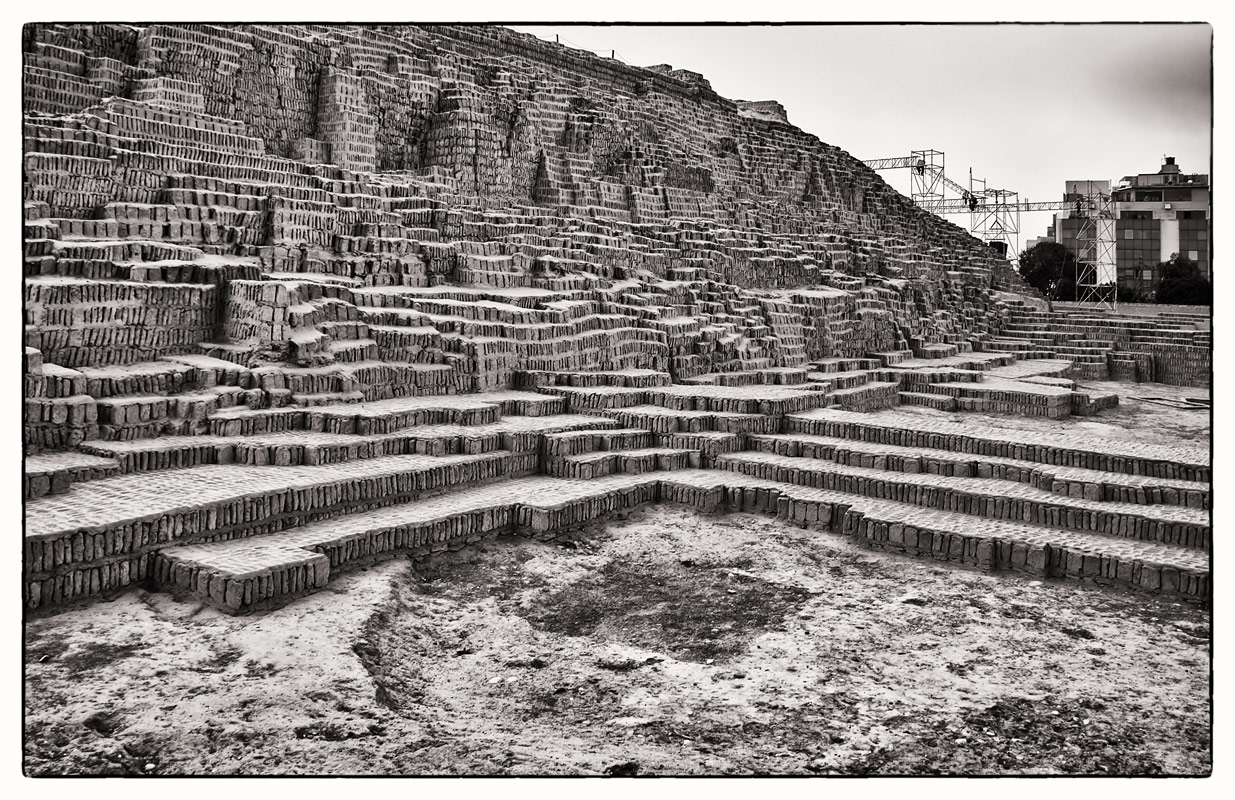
pixel 926 176
pixel 995 216
pixel 1097 284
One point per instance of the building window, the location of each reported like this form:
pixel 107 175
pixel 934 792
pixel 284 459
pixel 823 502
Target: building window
pixel 1149 197
pixel 1147 274
pixel 1192 255
pixel 1129 233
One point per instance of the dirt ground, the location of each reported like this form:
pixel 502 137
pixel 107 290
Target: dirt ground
pixel 665 644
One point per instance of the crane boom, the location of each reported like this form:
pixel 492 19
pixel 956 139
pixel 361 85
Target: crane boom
pixel 962 207
pixel 953 185
pixel 892 163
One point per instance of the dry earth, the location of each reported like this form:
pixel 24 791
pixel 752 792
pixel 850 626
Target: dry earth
pixel 665 644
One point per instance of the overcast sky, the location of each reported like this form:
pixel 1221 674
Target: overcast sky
pixel 1026 106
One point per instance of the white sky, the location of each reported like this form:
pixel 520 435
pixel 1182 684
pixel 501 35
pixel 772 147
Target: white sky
pixel 1026 106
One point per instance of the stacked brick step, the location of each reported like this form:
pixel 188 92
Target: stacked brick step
pixel 443 443
pixel 57 412
pixel 302 447
pixel 596 453
pixel 984 497
pixel 1104 346
pixel 55 473
pixel 959 538
pixel 630 378
pixel 172 396
pixel 1001 395
pixel 102 536
pixel 1067 481
pixel 246 574
pixel 775 376
pixel 696 423
pixel 1181 462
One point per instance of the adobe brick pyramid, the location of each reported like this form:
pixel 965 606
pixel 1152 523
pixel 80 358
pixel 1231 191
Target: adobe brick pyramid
pixel 299 297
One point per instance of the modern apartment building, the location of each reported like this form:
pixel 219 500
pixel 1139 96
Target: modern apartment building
pixel 1157 214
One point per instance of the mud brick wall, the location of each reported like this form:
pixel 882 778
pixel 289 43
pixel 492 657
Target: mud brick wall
pixel 243 73
pixel 68 565
pixel 33 382
pixel 258 311
pixel 55 91
pixel 78 323
pixel 393 156
pixel 71 185
pixel 768 109
pixel 344 123
pixel 504 113
pixel 1177 364
pixel 170 93
pixel 313 151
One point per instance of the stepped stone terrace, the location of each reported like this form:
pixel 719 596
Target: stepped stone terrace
pixel 300 297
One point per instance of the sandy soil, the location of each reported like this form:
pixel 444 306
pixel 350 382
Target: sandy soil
pixel 665 644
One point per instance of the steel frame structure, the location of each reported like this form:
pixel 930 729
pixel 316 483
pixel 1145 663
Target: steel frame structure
pixel 994 214
pixel 926 176
pixel 1097 280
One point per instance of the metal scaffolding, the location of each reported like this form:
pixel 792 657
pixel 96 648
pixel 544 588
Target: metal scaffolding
pixel 926 176
pixel 994 214
pixel 998 220
pixel 1096 275
pixel 995 218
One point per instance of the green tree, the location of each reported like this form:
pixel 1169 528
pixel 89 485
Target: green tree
pixel 1050 268
pixel 1182 283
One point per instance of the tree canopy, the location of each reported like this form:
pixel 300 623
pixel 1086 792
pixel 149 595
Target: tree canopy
pixel 1181 283
pixel 1050 268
